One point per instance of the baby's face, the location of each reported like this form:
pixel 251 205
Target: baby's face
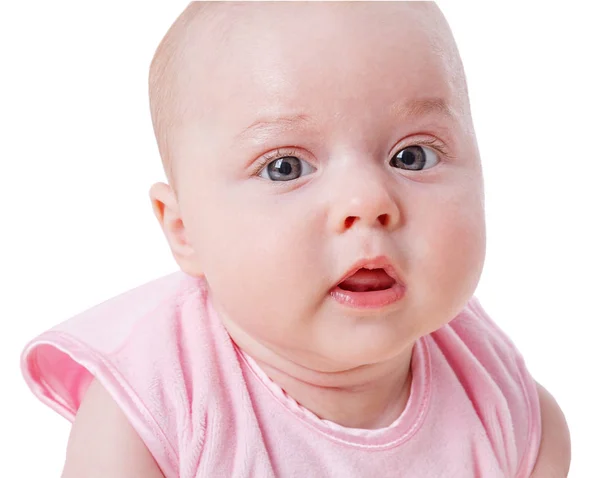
pixel 273 238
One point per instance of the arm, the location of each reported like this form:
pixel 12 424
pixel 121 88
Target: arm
pixel 103 443
pixel 554 456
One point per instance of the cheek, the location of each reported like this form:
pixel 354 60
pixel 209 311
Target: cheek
pixel 256 260
pixel 449 259
pixel 459 246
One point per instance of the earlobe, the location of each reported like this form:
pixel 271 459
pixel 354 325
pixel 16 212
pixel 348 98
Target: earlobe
pixel 167 212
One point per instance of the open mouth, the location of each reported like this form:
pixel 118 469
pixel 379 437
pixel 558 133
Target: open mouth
pixel 367 280
pixel 373 288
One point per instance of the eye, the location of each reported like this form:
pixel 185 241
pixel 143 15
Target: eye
pixel 415 158
pixel 285 168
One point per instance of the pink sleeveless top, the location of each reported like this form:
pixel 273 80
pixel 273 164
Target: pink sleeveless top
pixel 205 409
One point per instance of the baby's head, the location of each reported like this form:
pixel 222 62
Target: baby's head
pixel 302 137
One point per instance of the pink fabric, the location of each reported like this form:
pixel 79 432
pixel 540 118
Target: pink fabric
pixel 205 409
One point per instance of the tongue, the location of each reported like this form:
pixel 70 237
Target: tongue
pixel 366 280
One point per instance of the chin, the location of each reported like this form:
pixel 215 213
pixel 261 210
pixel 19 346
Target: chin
pixel 357 353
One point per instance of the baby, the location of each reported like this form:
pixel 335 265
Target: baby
pixel 325 206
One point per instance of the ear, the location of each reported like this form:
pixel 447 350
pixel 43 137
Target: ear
pixel 166 209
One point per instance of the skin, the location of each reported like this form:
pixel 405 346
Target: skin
pixel 271 251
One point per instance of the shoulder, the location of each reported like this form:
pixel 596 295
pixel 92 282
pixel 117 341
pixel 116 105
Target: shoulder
pixel 489 366
pixel 103 443
pixel 474 336
pixel 554 456
pixel 149 348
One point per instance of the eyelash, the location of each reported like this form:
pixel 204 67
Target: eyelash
pixel 283 152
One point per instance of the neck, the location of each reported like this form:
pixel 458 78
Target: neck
pixel 369 396
pixel 367 404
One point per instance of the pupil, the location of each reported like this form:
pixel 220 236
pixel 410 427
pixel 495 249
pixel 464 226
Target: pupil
pixel 285 168
pixel 408 158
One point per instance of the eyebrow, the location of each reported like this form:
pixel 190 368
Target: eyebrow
pixel 411 109
pixel 423 107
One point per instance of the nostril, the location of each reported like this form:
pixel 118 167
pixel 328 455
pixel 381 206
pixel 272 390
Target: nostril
pixel 384 219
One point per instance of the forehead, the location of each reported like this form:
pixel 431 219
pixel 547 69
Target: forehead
pixel 327 60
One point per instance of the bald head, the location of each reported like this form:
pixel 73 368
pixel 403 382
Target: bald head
pixel 169 75
pixel 183 60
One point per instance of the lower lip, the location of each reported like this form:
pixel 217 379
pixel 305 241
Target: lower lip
pixel 368 300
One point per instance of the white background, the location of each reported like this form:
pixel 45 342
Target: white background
pixel 78 157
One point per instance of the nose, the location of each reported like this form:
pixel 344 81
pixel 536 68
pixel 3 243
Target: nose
pixel 365 200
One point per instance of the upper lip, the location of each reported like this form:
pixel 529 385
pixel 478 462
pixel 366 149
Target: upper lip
pixel 379 262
